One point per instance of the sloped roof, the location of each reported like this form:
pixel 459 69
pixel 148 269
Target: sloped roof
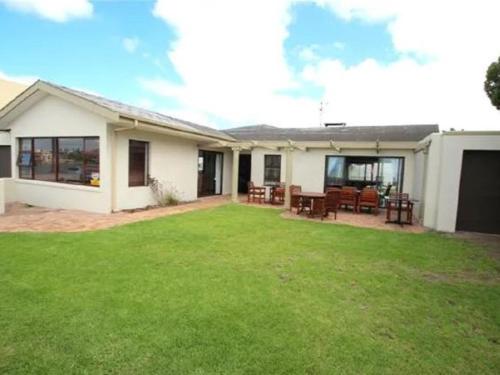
pixel 137 112
pixel 386 133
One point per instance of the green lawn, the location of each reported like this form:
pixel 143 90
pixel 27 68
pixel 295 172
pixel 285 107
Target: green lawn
pixel 240 290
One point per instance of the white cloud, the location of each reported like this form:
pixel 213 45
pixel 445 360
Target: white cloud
pixel 130 44
pixel 309 53
pixel 54 10
pixel 230 57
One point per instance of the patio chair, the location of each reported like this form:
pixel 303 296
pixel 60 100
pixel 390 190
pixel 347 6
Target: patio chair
pixel 349 197
pixel 406 206
pixel 368 198
pixel 256 193
pixel 332 201
pixel 294 199
pixel 278 194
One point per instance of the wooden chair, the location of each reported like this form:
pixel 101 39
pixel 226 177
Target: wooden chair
pixel 256 193
pixel 406 206
pixel 332 201
pixel 278 194
pixel 294 199
pixel 368 198
pixel 348 197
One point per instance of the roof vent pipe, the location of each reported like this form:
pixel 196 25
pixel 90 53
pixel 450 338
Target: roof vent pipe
pixel 332 124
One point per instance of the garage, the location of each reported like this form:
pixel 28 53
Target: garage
pixel 479 194
pixel 5 161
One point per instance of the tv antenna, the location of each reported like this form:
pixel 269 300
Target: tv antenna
pixel 322 107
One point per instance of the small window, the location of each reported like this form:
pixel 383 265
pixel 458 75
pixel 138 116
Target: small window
pixel 272 169
pixel 138 163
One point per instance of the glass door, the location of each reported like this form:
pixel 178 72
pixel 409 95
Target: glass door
pixel 209 173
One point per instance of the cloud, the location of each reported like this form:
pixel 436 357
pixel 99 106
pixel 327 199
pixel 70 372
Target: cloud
pixel 54 10
pixel 309 53
pixel 130 44
pixel 233 70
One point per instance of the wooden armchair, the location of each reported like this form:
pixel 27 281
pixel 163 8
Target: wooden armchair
pixel 295 199
pixel 278 194
pixel 332 201
pixel 256 193
pixel 349 197
pixel 406 206
pixel 368 198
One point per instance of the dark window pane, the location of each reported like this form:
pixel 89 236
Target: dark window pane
pixel 138 163
pixel 391 173
pixel 71 160
pixel 45 161
pixel 92 174
pixel 272 169
pixel 335 170
pixel 25 158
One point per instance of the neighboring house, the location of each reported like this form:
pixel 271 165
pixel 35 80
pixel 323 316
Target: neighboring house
pixel 8 91
pixel 75 150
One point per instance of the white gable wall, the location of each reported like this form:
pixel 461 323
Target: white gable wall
pixel 54 117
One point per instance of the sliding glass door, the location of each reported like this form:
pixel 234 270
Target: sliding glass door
pixel 360 171
pixel 209 173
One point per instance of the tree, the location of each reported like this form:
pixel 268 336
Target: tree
pixel 492 83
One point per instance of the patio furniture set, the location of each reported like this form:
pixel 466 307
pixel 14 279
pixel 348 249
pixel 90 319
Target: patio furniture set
pixel 399 206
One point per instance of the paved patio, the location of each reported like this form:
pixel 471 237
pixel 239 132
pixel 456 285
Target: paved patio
pixel 23 218
pixel 365 220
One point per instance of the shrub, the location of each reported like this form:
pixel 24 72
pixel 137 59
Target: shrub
pixel 165 193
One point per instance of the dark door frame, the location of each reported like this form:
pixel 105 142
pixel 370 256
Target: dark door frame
pixel 202 192
pixel 5 161
pixel 243 179
pixel 478 203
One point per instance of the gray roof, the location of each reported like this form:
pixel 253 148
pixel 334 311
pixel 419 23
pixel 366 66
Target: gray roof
pixel 136 112
pixel 386 133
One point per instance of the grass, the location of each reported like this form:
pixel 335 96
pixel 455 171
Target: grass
pixel 238 290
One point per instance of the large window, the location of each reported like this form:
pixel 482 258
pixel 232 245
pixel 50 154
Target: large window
pixel 362 171
pixel 71 160
pixel 138 161
pixel 272 169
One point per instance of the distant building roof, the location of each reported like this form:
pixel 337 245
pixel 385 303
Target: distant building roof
pixel 9 90
pixel 386 133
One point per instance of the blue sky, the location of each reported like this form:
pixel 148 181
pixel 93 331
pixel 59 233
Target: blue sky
pixel 214 66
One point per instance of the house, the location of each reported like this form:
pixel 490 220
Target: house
pixel 70 149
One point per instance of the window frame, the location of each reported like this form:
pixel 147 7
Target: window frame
pixel 375 177
pixel 146 163
pixel 268 182
pixel 56 155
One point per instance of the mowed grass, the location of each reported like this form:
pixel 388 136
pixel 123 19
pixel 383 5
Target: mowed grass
pixel 236 290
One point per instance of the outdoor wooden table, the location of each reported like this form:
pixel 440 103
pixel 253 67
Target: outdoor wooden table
pixel 399 202
pixel 317 203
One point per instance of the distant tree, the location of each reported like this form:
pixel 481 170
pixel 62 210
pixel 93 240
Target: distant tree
pixel 492 83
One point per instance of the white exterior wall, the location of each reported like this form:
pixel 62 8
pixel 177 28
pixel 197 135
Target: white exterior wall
pixel 172 160
pixel 53 117
pixel 4 138
pixel 309 166
pixel 443 176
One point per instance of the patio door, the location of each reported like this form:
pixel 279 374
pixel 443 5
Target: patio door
pixel 209 173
